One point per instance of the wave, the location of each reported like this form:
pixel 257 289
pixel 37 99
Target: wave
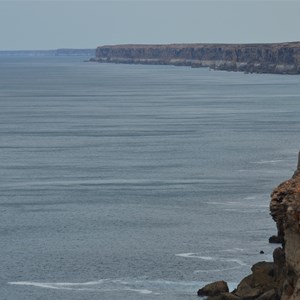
pixel 234 250
pixel 232 262
pixel 142 286
pixel 241 204
pixel 267 162
pixel 97 182
pixel 194 255
pixel 143 291
pixel 80 286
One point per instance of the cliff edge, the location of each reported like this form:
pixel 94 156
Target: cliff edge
pixel 279 58
pixel 280 279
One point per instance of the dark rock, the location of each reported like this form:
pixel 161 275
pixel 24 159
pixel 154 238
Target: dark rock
pixel 262 271
pixel 279 263
pixel 224 296
pixel 261 252
pixel 260 281
pixel 275 239
pixel 214 289
pixel 269 295
pixel 246 290
pixel 298 164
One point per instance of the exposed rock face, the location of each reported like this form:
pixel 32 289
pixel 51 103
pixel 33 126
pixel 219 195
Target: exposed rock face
pixel 280 279
pixel 214 288
pixel 285 210
pixel 282 58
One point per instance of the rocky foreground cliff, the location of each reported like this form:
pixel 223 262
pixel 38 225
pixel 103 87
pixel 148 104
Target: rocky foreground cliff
pixel 280 279
pixel 280 58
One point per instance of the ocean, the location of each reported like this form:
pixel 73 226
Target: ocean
pixel 134 181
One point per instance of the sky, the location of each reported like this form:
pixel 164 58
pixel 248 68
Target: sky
pixel 52 24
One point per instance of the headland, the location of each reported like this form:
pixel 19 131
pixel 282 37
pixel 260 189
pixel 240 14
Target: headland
pixel 276 58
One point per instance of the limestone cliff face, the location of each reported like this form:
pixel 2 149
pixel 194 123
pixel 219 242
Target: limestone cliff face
pixel 285 210
pixel 282 58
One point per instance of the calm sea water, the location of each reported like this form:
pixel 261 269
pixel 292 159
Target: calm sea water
pixel 139 182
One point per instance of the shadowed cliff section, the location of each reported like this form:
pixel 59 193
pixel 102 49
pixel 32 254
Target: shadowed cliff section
pixel 281 58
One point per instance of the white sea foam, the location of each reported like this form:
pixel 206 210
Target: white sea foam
pixel 240 265
pixel 194 255
pixel 234 250
pixel 237 262
pixel 215 270
pixel 232 285
pixel 185 254
pixel 246 204
pixel 141 291
pixel 239 203
pixel 40 285
pixel 80 283
pixel 79 286
pixel 250 198
pixel 267 162
pixel 140 286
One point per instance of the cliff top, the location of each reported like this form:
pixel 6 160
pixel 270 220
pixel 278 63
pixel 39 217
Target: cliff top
pixel 294 44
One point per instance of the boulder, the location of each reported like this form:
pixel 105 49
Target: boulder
pixel 275 239
pixel 246 290
pixel 214 289
pixel 259 282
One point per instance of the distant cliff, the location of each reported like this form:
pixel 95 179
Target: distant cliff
pixel 44 53
pixel 281 58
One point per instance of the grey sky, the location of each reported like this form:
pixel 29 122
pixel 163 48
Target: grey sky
pixel 47 24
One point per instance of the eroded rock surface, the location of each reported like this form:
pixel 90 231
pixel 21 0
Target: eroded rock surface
pixel 285 210
pixel 214 288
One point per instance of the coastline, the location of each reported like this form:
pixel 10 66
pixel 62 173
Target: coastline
pixel 279 58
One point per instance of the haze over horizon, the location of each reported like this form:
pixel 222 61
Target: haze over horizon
pixel 44 24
